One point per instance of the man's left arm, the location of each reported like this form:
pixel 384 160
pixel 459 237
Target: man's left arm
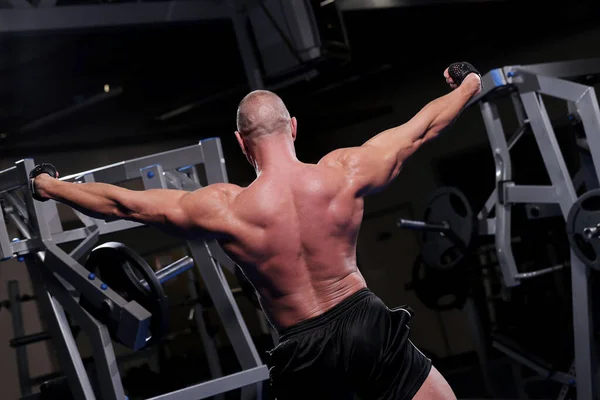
pixel 176 212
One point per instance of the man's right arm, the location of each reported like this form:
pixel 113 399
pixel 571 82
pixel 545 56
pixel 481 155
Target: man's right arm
pixel 375 164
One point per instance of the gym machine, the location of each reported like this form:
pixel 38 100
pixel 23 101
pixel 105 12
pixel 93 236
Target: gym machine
pixel 114 294
pixel 448 230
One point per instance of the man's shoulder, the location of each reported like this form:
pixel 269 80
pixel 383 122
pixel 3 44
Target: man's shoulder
pixel 225 189
pixel 222 193
pixel 332 159
pixel 345 158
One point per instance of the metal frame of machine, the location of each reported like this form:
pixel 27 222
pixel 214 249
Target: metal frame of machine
pixel 60 280
pixel 526 85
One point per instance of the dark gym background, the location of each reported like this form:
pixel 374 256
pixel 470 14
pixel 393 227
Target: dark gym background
pixel 55 108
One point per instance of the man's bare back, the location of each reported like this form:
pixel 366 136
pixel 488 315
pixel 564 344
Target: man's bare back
pixel 294 235
pixel 293 231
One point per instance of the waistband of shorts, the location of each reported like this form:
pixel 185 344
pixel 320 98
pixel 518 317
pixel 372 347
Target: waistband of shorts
pixel 327 317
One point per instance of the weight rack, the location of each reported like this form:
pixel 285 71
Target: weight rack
pixel 60 280
pixel 526 85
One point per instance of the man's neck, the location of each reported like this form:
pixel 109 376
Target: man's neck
pixel 273 152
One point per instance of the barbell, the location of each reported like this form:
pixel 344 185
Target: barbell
pixel 448 229
pixel 127 273
pixel 440 277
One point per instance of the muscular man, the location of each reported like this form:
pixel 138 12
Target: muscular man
pixel 293 232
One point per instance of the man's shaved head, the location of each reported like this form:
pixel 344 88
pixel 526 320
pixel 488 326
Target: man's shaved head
pixel 262 113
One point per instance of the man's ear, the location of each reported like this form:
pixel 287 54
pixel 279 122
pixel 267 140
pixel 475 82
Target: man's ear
pixel 294 124
pixel 240 141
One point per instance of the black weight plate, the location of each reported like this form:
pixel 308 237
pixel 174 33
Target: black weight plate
pixel 440 290
pixel 446 250
pixel 122 269
pixel 585 213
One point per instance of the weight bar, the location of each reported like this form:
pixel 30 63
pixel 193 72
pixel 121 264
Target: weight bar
pixel 246 289
pixel 442 228
pixel 128 274
pixel 423 226
pixel 448 229
pixel 172 270
pixel 591 232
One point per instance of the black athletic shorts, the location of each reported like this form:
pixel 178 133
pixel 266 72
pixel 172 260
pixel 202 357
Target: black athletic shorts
pixel 358 347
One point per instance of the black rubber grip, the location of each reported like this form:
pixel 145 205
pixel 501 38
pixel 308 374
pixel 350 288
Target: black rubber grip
pixel 458 71
pixel 39 169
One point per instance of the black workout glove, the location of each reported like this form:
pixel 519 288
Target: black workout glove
pixel 37 170
pixel 458 71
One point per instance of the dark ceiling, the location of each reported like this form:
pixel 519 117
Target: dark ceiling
pixel 52 82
